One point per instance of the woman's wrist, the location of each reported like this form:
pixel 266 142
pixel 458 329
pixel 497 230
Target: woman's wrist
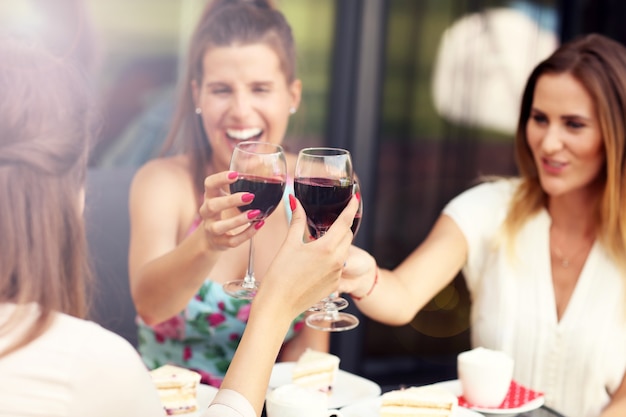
pixel 371 289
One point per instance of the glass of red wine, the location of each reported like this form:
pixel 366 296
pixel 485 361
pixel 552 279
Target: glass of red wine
pixel 324 185
pixel 262 171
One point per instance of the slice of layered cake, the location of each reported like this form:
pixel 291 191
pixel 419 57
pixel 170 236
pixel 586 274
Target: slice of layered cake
pixel 426 401
pixel 177 388
pixel 316 370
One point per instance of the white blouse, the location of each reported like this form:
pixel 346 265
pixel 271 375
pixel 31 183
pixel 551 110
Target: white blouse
pixel 77 368
pixel 576 362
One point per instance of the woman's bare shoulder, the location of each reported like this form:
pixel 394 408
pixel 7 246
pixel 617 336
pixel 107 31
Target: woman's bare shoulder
pixel 165 177
pixel 167 171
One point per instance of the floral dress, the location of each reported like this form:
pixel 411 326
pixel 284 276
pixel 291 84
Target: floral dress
pixel 203 337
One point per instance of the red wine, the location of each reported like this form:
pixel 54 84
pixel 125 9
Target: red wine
pixel 268 192
pixel 323 200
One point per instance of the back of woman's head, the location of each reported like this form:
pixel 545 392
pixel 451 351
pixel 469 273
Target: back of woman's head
pixel 44 132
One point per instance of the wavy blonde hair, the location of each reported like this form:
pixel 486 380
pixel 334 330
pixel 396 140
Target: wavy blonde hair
pixel 44 132
pixel 599 64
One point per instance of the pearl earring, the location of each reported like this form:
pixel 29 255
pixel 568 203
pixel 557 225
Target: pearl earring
pixel 292 110
pixel 198 110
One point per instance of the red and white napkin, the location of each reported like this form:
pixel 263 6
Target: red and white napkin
pixel 518 396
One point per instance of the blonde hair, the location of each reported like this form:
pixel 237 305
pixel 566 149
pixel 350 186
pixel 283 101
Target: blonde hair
pixel 44 131
pixel 599 64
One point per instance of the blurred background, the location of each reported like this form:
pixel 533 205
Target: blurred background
pixel 423 92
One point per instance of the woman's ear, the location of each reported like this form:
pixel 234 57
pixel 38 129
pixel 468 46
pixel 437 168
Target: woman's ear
pixel 295 90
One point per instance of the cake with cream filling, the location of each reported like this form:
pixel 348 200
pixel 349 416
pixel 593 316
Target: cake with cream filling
pixel 426 401
pixel 316 370
pixel 177 388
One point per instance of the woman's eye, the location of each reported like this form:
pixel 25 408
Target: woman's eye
pixel 538 118
pixel 220 91
pixel 575 125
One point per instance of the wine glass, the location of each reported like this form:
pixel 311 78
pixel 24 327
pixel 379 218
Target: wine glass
pixel 324 185
pixel 262 171
pixel 341 303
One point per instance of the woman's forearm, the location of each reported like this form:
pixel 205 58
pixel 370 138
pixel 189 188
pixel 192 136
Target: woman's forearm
pixel 162 287
pixel 307 338
pixel 251 367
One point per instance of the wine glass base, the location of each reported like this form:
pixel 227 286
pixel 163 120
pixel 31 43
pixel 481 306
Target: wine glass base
pixel 339 303
pixel 332 321
pixel 241 289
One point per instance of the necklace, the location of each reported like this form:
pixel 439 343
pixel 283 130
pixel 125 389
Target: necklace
pixel 566 261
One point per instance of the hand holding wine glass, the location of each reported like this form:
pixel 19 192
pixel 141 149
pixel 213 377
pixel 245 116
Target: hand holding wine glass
pixel 262 171
pixel 324 185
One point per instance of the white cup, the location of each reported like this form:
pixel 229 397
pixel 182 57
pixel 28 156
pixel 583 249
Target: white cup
pixel 292 400
pixel 485 376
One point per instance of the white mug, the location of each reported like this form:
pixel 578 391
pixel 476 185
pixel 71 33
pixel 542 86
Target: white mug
pixel 292 400
pixel 485 376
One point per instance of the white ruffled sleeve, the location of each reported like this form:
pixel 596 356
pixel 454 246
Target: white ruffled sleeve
pixel 229 403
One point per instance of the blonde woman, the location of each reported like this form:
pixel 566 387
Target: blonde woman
pixel 543 254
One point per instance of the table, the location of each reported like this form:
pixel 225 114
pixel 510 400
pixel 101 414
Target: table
pixel 542 411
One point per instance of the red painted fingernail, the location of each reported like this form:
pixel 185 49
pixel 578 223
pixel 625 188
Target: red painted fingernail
pixel 259 224
pixel 358 196
pixel 292 202
pixel 253 213
pixel 247 197
pixel 232 175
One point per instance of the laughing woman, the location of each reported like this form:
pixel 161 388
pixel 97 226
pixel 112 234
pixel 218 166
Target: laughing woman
pixel 188 237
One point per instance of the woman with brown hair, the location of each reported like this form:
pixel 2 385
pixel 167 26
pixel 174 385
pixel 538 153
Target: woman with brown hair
pixel 54 363
pixel 51 362
pixel 187 236
pixel 543 255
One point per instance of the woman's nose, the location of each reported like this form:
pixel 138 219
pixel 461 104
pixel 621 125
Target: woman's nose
pixel 552 140
pixel 241 104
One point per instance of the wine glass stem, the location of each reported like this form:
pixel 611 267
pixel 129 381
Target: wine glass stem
pixel 330 309
pixel 248 280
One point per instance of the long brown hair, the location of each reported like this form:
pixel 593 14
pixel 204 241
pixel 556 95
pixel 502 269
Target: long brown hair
pixel 44 131
pixel 599 64
pixel 224 23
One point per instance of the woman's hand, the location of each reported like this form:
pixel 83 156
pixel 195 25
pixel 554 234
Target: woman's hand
pixel 304 273
pixel 358 273
pixel 226 231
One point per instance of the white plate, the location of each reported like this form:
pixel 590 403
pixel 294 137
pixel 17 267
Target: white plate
pixel 348 388
pixel 205 394
pixel 370 408
pixel 454 387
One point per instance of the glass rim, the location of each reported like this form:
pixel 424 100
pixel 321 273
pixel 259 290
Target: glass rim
pixel 324 151
pixel 277 149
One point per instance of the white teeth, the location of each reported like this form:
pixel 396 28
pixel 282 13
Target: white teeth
pixel 243 134
pixel 554 164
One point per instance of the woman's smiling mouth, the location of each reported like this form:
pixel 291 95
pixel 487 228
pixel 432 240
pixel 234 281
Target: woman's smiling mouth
pixel 244 134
